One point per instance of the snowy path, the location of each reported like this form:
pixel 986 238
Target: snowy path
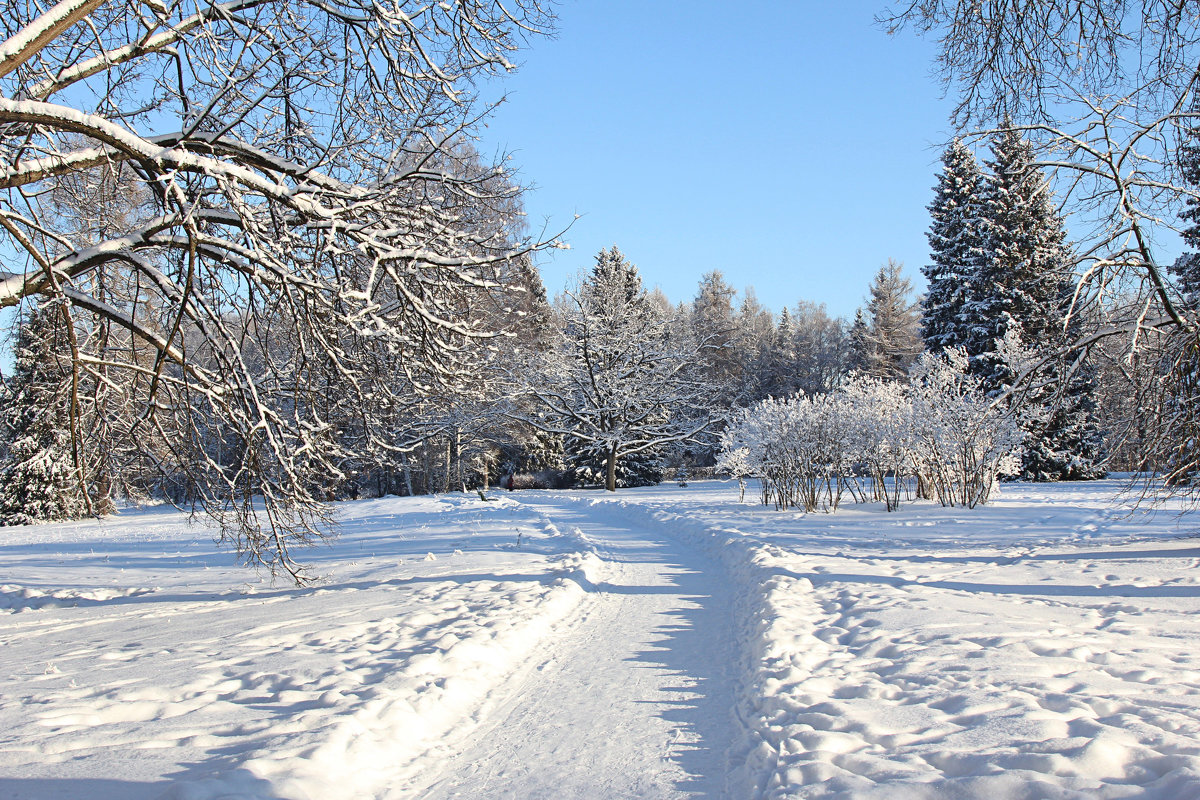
pixel 634 701
pixel 661 642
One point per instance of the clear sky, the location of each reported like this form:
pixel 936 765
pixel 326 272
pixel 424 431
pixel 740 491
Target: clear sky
pixel 791 145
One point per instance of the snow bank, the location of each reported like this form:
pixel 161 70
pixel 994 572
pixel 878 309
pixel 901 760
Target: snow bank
pixel 22 598
pixel 1043 646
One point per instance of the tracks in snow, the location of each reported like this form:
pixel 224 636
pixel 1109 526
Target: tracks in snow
pixel 635 699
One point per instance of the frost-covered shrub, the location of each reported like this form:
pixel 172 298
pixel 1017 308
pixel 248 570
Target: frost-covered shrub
pixel 966 441
pixel 798 446
pixel 884 436
pixel 937 435
pixel 736 461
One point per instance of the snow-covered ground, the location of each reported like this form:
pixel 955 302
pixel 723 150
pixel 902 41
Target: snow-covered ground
pixel 661 642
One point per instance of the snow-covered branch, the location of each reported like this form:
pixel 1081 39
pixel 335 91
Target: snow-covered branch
pixel 271 213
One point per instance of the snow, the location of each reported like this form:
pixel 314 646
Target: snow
pixel 660 642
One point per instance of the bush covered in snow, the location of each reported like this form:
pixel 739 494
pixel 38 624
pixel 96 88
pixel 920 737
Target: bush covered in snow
pixel 966 441
pixel 936 435
pixel 796 445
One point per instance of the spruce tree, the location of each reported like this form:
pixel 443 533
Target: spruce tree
pixel 859 344
pixel 1186 269
pixel 1024 290
pixel 38 477
pixel 893 339
pixel 646 468
pixel 1175 423
pixel 956 241
pixel 1186 272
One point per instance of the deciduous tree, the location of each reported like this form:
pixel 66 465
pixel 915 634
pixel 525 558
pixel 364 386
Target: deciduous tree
pixel 309 201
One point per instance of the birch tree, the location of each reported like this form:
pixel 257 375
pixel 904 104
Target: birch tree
pixel 307 199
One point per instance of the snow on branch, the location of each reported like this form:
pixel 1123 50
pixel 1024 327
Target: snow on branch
pixel 271 213
pixel 935 436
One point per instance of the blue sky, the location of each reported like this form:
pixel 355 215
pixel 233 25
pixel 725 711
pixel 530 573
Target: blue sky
pixel 792 145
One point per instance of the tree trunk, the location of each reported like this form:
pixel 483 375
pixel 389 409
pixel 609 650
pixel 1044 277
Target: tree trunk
pixel 408 481
pixel 460 474
pixel 427 455
pixel 610 478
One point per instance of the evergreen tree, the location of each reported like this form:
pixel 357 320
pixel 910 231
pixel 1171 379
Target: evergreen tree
pixel 859 342
pixel 529 317
pixel 1186 272
pixel 541 452
pixel 891 339
pixel 1186 269
pixel 710 317
pixel 1024 278
pixel 645 468
pixel 1173 426
pixel 956 240
pixel 780 378
pixel 1023 291
pixel 39 480
pixel 714 329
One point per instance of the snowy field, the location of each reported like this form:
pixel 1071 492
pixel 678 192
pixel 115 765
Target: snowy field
pixel 660 642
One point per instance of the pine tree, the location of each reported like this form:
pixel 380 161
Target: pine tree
pixel 1024 290
pixel 956 240
pixel 38 478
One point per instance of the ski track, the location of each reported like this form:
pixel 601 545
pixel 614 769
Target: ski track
pixel 635 701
